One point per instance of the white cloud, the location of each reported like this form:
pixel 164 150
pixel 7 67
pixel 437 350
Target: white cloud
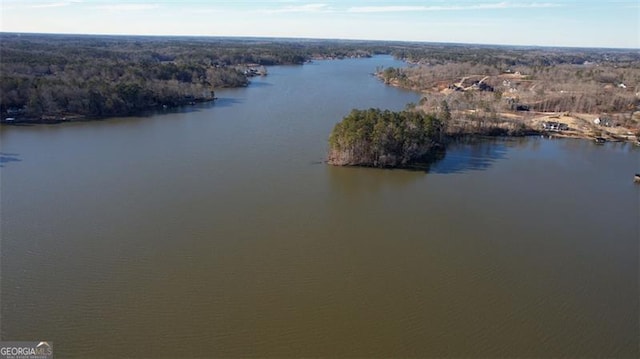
pixel 391 8
pixel 127 7
pixel 300 9
pixel 412 8
pixel 55 4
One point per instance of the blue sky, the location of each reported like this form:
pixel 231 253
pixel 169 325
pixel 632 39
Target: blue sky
pixel 590 23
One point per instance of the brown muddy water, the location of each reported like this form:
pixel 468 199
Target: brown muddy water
pixel 217 231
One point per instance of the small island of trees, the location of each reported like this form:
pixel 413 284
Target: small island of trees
pixel 377 138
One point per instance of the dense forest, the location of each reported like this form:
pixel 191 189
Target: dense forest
pixel 378 138
pixel 47 78
pixel 51 77
pixel 503 57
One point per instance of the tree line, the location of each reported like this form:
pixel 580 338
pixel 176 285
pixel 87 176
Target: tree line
pixel 53 76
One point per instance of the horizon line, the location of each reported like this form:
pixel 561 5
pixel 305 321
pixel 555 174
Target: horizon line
pixel 314 38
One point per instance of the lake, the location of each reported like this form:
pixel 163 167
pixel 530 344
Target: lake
pixel 217 231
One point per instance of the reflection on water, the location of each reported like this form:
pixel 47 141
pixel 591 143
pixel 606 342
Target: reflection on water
pixel 227 101
pixel 8 157
pixel 259 82
pixel 470 155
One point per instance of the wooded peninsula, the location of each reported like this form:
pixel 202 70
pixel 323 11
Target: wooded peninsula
pixel 52 78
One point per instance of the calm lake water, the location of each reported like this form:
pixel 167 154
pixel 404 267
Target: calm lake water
pixel 217 231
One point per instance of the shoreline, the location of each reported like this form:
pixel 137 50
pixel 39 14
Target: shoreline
pixel 576 129
pixel 578 125
pixel 415 139
pixel 68 118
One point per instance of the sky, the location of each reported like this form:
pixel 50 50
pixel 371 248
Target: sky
pixel 573 23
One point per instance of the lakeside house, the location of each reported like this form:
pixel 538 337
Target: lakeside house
pixel 603 121
pixel 255 70
pixel 555 126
